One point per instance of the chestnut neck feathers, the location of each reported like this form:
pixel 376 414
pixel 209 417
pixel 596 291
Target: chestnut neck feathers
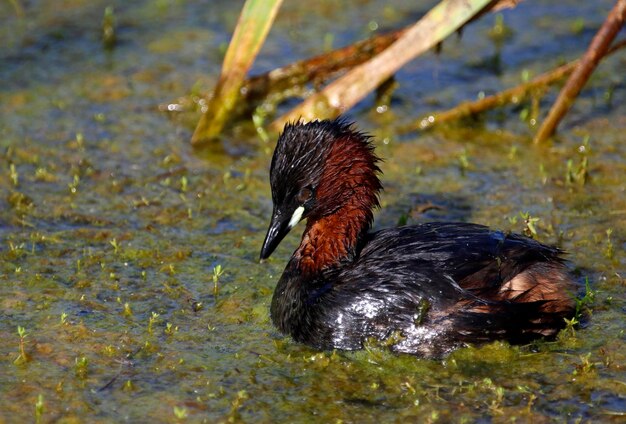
pixel 331 171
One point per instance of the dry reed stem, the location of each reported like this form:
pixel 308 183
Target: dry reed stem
pixel 589 61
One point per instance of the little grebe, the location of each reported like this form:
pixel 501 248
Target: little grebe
pixel 431 288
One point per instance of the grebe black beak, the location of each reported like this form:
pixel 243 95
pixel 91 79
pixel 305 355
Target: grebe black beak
pixel 280 226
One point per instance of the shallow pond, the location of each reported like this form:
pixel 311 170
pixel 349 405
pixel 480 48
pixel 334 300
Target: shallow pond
pixel 112 228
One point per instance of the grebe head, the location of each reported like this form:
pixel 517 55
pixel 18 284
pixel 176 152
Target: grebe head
pixel 317 168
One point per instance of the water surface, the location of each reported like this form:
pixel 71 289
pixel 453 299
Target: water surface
pixel 111 225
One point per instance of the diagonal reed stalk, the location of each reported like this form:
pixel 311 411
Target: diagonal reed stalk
pixel 584 68
pixel 254 23
pixel 339 96
pixel 511 95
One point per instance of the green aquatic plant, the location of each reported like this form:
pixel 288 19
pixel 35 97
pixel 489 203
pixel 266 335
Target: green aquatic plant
pixel 464 162
pixel 23 357
pixel 152 320
pixel 115 245
pixel 609 249
pixel 577 26
pixel 217 273
pixel 586 365
pixel 128 386
pixel 170 329
pixel 530 230
pixel 39 409
pixel 109 37
pixel 81 365
pixel 15 178
pixel 234 415
pixel 127 312
pixel 500 31
pixel 73 186
pixel 580 173
pixel 584 303
pixel 180 412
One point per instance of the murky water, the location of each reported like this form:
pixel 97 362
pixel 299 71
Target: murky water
pixel 111 225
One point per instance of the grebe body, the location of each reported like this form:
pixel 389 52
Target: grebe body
pixel 425 289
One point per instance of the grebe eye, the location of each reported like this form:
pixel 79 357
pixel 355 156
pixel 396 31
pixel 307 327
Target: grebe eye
pixel 304 195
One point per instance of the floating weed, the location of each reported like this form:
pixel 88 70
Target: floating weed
pixel 20 202
pixel 151 321
pixel 23 356
pixel 108 29
pixel 196 306
pixel 128 313
pixel 585 366
pixel 170 329
pixel 16 251
pixel 570 326
pixel 464 162
pixel 496 405
pixel 42 174
pixel 80 367
pixel 39 409
pixel 234 416
pixel 577 26
pixel 579 174
pixel 584 303
pixel 150 348
pixel 404 218
pixel 258 119
pixel 529 224
pixel 79 141
pixel 116 246
pixel 73 186
pixel 109 350
pixel 500 32
pixel 128 386
pixel 609 250
pixel 15 179
pixel 217 273
pixel 181 412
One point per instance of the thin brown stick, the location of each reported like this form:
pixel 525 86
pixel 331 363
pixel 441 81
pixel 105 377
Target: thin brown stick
pixel 511 95
pixel 589 61
pixel 317 69
pixel 320 68
pixel 342 94
pixel 280 82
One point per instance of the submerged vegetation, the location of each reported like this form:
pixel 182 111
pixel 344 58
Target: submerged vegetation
pixel 130 287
